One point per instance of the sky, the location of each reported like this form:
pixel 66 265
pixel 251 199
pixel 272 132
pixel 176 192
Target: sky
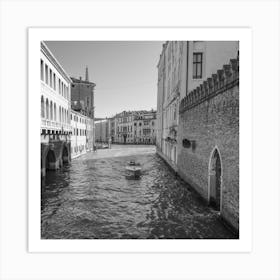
pixel 125 73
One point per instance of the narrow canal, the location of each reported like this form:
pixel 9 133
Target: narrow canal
pixel 91 198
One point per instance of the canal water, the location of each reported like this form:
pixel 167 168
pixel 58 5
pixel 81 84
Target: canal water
pixel 91 198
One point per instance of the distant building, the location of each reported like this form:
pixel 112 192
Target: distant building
pixel 55 112
pixel 134 127
pixel 144 127
pixel 113 129
pixel 124 123
pixel 102 133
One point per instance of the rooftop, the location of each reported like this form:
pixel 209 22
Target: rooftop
pixel 77 81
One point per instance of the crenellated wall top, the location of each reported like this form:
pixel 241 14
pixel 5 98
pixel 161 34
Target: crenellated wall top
pixel 218 83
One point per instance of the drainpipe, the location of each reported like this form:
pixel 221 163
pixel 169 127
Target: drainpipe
pixel 162 102
pixel 187 80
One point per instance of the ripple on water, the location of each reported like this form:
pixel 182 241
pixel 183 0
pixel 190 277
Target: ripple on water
pixel 91 198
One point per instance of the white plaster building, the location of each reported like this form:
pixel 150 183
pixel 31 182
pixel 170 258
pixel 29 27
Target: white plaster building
pixel 55 95
pixel 184 65
pixel 205 58
pixel 79 143
pixel 102 131
pixel 170 85
pixel 55 112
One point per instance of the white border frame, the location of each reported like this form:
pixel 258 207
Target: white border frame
pixel 244 35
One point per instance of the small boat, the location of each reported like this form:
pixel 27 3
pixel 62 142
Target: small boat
pixel 133 170
pixel 105 146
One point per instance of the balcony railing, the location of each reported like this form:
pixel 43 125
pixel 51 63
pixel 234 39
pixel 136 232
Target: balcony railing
pixel 54 125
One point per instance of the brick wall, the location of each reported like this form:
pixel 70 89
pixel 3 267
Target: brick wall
pixel 209 120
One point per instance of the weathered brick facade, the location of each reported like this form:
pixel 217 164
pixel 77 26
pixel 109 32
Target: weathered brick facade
pixel 208 141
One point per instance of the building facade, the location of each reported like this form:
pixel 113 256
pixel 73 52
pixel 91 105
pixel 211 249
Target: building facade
pixel 171 85
pixel 67 114
pixel 160 98
pixel 113 129
pixel 134 127
pixel 208 157
pixel 144 127
pixel 79 136
pixel 205 58
pixel 200 141
pixel 82 101
pixel 55 112
pixel 184 65
pixel 102 131
pixel 124 127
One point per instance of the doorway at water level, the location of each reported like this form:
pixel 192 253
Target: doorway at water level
pixel 215 180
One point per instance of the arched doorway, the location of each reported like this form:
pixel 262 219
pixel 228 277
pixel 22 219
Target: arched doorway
pixel 50 160
pixel 65 155
pixel 215 180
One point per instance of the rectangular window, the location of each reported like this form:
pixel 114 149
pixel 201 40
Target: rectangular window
pixel 54 81
pixel 42 70
pixel 46 74
pixel 50 77
pixel 197 65
pixel 59 86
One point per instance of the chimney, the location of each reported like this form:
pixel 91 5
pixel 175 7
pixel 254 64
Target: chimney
pixel 86 74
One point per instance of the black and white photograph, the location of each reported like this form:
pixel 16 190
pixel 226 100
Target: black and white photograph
pixel 139 139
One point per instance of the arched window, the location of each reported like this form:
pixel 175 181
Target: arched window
pixel 42 107
pixel 54 109
pixel 51 110
pixel 47 108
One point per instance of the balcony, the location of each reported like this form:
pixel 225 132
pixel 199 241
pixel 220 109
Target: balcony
pixel 54 125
